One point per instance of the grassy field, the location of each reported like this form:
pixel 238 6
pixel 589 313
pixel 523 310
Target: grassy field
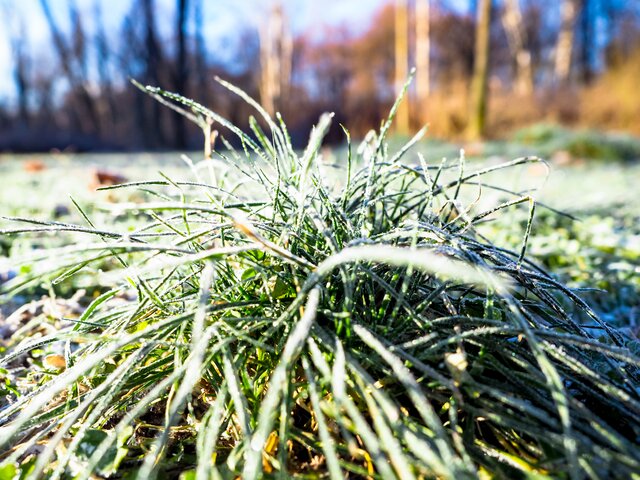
pixel 367 312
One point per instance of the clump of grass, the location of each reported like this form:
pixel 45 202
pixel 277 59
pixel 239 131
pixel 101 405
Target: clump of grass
pixel 266 322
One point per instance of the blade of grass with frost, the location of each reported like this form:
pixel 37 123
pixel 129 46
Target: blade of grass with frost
pixel 409 145
pixel 27 346
pixel 44 397
pixel 444 464
pixel 419 259
pixel 243 225
pixel 246 140
pixel 103 393
pixel 193 258
pixel 279 135
pixel 292 347
pixel 405 377
pixel 419 447
pixel 209 431
pixel 64 258
pixel 318 132
pixel 373 157
pixel 239 400
pixel 143 404
pixel 554 383
pixel 369 438
pixel 72 375
pixel 335 472
pixel 388 442
pixel 198 351
pixel 394 109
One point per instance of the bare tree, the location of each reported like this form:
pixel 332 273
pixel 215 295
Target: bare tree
pixel 479 82
pixel 87 114
pixel 154 56
pixel 181 70
pixel 423 54
pixel 402 61
pixel 517 39
pixel 276 47
pixel 564 46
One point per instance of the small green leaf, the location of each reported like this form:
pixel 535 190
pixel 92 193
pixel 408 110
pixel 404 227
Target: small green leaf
pixel 8 471
pixel 188 475
pixel 248 273
pixel 110 461
pixel 280 288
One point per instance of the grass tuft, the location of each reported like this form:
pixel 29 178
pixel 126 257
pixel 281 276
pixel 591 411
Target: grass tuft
pixel 292 317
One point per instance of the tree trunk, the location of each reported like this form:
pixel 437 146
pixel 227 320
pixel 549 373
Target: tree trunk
pixel 154 59
pixel 402 62
pixel 20 72
pixel 587 46
pixel 201 53
pixel 423 53
pixel 109 107
pixel 480 80
pixel 275 60
pixel 79 42
pixel 516 36
pixel 180 138
pixel 22 85
pixel 564 47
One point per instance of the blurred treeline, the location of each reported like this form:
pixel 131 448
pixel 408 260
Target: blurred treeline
pixel 482 71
